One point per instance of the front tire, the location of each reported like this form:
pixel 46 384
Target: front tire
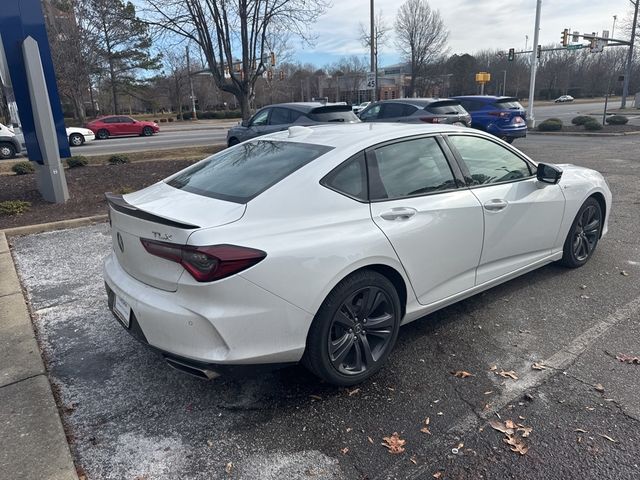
pixel 354 330
pixel 584 234
pixel 7 150
pixel 76 140
pixel 147 131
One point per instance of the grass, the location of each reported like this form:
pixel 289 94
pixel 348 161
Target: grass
pixel 189 153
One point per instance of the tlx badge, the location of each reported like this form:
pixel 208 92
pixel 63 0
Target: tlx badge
pixel 161 236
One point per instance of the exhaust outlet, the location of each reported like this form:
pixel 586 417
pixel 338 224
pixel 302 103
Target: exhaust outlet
pixel 202 373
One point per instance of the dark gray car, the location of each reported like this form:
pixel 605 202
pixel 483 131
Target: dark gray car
pixel 416 110
pixel 281 116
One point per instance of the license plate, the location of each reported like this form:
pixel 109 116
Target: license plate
pixel 122 310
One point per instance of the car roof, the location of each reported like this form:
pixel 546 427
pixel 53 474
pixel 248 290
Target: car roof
pixel 304 107
pixel 488 98
pixel 418 102
pixel 359 135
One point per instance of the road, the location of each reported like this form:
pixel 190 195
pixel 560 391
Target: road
pixel 566 111
pixel 129 416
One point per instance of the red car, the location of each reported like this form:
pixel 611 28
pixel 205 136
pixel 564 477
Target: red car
pixel 114 125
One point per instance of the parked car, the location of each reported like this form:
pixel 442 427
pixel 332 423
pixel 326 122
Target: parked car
pixel 10 144
pixel 282 115
pixel 115 125
pixel 417 110
pixel 358 108
pixel 316 243
pixel 564 98
pixel 503 117
pixel 79 136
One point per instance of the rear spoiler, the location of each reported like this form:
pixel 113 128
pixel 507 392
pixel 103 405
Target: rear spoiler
pixel 119 204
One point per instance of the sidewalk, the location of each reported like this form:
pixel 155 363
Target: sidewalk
pixel 33 439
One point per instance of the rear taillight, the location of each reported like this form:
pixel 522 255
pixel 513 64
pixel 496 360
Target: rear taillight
pixel 500 113
pixel 432 119
pixel 206 264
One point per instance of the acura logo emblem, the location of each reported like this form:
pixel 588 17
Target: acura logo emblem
pixel 120 242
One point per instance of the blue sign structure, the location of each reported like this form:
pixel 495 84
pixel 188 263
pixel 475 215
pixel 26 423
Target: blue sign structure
pixel 20 19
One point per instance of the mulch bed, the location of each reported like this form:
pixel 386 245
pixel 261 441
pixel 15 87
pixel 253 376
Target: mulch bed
pixel 605 129
pixel 87 186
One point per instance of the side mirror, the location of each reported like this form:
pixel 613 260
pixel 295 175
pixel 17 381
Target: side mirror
pixel 245 123
pixel 547 173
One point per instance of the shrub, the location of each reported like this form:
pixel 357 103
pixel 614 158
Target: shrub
pixel 23 168
pixel 14 207
pixel 163 120
pixel 77 161
pixel 550 125
pixel 170 119
pixel 186 116
pixel 118 159
pixel 156 120
pixel 593 125
pixel 617 120
pixel 581 119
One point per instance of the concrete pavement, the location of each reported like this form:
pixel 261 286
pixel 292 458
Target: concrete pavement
pixel 34 445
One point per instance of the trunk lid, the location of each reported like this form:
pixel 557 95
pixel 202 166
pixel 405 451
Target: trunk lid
pixel 161 212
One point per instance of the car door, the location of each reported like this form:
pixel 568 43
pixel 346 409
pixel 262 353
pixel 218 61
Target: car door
pixel 128 126
pixel 397 112
pixel 370 114
pixel 522 216
pixel 280 119
pixel 259 123
pixel 433 222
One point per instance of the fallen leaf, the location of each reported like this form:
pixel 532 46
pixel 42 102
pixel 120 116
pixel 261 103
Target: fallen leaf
pixel 598 387
pixel 349 429
pixel 344 450
pixel 624 273
pixel 628 359
pixel 510 374
pixel 579 430
pixel 229 468
pixel 526 431
pixel 488 392
pixel 394 443
pixel 461 374
pixel 316 397
pixel 538 366
pixel 493 368
pixel 499 426
pixel 509 424
pixel 608 438
pixel 413 460
pixel 351 393
pixel 516 444
pixel 209 443
pixel 370 440
pixel 425 429
pixel 437 475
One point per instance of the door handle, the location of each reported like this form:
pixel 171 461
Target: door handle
pixel 495 205
pixel 400 213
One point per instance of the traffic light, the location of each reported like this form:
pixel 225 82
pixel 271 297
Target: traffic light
pixel 273 59
pixel 281 74
pixel 512 54
pixel 565 37
pixel 269 75
pixel 539 54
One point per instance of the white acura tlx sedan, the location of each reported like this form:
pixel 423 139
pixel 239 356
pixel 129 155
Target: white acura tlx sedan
pixel 316 244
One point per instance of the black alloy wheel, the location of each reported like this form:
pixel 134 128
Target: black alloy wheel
pixel 354 330
pixel 583 237
pixel 102 134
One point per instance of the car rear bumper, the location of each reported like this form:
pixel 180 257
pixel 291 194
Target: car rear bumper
pixel 513 131
pixel 228 322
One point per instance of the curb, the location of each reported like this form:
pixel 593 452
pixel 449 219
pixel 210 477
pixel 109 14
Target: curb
pixel 584 134
pixel 51 226
pixel 34 441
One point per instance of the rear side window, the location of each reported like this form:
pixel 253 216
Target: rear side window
pixel 279 116
pixel 412 167
pixel 391 110
pixel 508 104
pixel 241 173
pixel 446 108
pixel 471 105
pixel 342 114
pixel 350 178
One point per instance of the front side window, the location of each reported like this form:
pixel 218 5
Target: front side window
pixel 412 167
pixel 240 173
pixel 260 118
pixel 279 116
pixel 487 162
pixel 371 113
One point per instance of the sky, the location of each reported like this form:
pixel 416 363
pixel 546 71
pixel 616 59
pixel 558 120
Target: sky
pixel 473 25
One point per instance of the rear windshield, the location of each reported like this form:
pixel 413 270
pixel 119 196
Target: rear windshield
pixel 446 108
pixel 334 113
pixel 509 104
pixel 240 173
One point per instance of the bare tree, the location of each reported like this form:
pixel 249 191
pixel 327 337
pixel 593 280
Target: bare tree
pixel 222 28
pixel 381 32
pixel 421 36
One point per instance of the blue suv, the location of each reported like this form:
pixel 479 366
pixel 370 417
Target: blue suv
pixel 503 117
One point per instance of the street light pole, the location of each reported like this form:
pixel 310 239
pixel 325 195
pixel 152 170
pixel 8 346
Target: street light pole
pixel 374 68
pixel 627 73
pixel 194 114
pixel 534 64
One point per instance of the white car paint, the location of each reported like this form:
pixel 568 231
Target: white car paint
pixel 314 237
pixel 86 134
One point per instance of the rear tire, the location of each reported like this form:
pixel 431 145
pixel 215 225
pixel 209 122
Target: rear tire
pixel 7 150
pixel 76 140
pixel 102 134
pixel 583 235
pixel 354 330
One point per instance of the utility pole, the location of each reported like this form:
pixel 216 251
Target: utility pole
pixel 613 29
pixel 534 64
pixel 627 73
pixel 504 83
pixel 194 114
pixel 374 67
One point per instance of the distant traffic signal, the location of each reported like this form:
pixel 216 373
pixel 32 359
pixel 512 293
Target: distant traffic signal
pixel 281 74
pixel 565 37
pixel 269 75
pixel 512 54
pixel 273 59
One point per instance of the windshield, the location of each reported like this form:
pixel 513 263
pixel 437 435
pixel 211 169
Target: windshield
pixel 344 117
pixel 446 108
pixel 240 173
pixel 509 104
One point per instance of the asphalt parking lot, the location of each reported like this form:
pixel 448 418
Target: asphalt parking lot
pixel 130 416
